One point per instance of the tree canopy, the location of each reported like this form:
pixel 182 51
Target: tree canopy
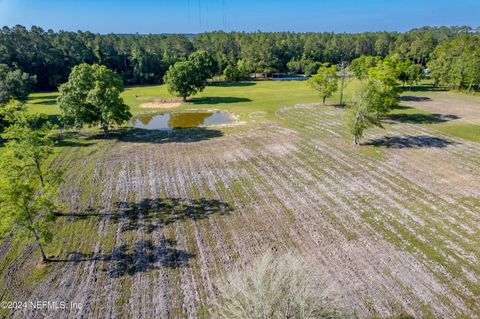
pixel 381 89
pixel 28 188
pixel 375 98
pixel 14 84
pixel 361 115
pixel 187 78
pixel 92 96
pixel 455 64
pixel 361 65
pixel 325 81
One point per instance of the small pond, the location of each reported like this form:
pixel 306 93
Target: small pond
pixel 169 121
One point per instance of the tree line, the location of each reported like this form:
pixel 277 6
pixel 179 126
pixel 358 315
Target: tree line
pixel 145 59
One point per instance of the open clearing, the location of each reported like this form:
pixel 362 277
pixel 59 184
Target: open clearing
pixel 464 107
pixel 394 224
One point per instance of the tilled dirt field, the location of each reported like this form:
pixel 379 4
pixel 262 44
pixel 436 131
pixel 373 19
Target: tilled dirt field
pixel 394 224
pixel 462 107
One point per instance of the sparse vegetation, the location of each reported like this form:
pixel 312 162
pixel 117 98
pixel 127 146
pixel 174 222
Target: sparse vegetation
pixel 277 287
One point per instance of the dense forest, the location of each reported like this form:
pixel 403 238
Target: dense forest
pixel 144 59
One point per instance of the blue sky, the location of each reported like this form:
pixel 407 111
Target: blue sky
pixel 193 16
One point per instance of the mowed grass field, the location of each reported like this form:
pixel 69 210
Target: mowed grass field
pixel 242 98
pixel 251 100
pixel 394 225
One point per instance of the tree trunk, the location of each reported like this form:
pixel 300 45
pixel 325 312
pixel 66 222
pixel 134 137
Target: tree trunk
pixel 37 240
pixel 37 237
pixel 341 92
pixel 39 171
pixel 184 98
pixel 324 98
pixel 356 140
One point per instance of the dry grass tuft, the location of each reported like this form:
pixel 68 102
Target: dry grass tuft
pixel 275 287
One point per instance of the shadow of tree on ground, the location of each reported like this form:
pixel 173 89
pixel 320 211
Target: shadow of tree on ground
pixel 146 216
pixel 408 141
pixel 135 135
pixel 409 98
pixel 218 100
pixel 421 118
pixel 142 256
pixel 155 213
pixel 232 84
pixel 423 88
pixel 43 100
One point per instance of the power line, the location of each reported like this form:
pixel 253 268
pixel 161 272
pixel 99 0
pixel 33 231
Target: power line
pixel 224 14
pixel 200 13
pixel 189 13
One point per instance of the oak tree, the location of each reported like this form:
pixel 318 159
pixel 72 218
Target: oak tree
pixel 92 96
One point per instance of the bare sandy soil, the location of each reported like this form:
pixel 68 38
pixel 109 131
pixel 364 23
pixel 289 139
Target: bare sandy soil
pixel 394 224
pixel 162 104
pixel 465 108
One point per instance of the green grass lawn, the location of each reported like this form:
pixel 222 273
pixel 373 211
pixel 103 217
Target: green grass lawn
pixel 264 97
pixel 239 98
pixel 466 131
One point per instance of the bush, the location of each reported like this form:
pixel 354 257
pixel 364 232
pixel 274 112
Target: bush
pixel 232 74
pixel 282 287
pixel 312 67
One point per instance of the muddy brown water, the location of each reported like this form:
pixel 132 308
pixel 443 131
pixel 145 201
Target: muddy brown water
pixel 169 121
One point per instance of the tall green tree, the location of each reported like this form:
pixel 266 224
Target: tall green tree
pixel 232 73
pixel 187 78
pixel 28 193
pixel 181 80
pixel 32 144
pixel 204 64
pixel 7 113
pixel 400 66
pixel 345 79
pixel 361 115
pixel 361 65
pixel 325 81
pixel 92 96
pixel 14 84
pixel 374 100
pixel 381 89
pixel 414 74
pixel 455 64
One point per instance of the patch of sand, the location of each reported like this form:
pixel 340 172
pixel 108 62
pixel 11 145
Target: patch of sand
pixel 161 104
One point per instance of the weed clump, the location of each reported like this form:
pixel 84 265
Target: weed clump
pixel 275 287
